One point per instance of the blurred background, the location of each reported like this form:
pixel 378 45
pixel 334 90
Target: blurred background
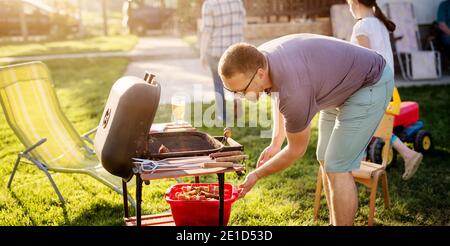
pixel 67 19
pixel 22 20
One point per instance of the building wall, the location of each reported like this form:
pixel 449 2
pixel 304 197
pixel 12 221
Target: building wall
pixel 426 10
pixel 273 30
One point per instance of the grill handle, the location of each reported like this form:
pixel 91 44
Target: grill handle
pixel 148 77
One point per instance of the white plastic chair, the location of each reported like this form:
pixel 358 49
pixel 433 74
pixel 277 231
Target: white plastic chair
pixel 415 63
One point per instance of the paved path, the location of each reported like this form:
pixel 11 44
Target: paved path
pixel 177 76
pixel 176 66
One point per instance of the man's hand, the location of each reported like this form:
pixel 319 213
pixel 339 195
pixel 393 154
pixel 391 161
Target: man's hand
pixel 277 159
pixel 267 153
pixel 249 182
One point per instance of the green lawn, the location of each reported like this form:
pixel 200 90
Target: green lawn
pixel 282 199
pixel 94 44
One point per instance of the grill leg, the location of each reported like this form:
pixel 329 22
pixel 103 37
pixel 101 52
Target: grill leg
pixel 221 177
pixel 125 198
pixel 138 199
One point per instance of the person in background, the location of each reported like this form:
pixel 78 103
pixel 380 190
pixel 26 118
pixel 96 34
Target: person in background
pixel 126 13
pixel 443 20
pixel 223 24
pixel 372 31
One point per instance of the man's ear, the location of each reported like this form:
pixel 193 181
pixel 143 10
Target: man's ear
pixel 261 73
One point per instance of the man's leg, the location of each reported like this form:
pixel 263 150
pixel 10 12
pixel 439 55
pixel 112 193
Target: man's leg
pixel 326 188
pixel 327 119
pixel 356 123
pixel 218 88
pixel 344 198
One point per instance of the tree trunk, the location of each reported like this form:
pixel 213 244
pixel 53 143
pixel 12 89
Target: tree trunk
pixel 162 5
pixel 23 21
pixel 105 17
pixel 80 15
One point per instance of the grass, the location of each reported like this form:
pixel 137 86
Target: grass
pixel 93 44
pixel 285 198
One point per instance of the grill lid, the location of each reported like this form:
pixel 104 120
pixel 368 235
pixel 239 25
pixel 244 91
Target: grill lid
pixel 122 133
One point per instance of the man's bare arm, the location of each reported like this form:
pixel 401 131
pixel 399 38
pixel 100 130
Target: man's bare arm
pixel 278 134
pixel 296 148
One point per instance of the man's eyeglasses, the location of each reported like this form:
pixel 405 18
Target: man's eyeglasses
pixel 241 93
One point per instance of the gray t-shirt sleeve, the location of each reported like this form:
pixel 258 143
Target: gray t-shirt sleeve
pixel 298 108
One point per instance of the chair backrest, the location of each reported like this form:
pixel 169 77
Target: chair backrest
pixel 402 14
pixel 342 21
pixel 384 131
pixel 33 112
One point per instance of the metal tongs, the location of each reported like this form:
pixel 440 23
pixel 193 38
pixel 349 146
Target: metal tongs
pixel 149 166
pixel 144 166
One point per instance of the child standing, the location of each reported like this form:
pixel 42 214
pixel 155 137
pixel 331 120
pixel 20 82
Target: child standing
pixel 372 31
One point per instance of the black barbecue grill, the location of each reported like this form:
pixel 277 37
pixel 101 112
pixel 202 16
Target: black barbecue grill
pixel 123 142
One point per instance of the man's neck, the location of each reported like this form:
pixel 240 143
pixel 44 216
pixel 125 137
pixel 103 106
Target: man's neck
pixel 268 82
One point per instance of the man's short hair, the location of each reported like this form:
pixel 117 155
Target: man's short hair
pixel 241 58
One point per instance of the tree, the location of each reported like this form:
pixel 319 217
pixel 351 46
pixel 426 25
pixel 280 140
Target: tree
pixel 80 15
pixel 23 21
pixel 105 17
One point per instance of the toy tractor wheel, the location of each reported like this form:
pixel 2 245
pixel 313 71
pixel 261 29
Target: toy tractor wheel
pixel 423 141
pixel 375 153
pixel 392 158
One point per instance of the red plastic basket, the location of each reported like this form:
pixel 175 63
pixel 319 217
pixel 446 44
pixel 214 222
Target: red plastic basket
pixel 200 213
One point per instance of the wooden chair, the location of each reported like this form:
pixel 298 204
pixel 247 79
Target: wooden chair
pixel 369 173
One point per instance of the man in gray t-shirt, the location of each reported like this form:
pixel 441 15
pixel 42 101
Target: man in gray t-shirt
pixel 348 84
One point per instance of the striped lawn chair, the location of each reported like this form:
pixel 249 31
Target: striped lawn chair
pixel 33 112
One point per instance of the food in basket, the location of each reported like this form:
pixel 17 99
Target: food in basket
pixel 163 149
pixel 198 193
pixel 227 132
